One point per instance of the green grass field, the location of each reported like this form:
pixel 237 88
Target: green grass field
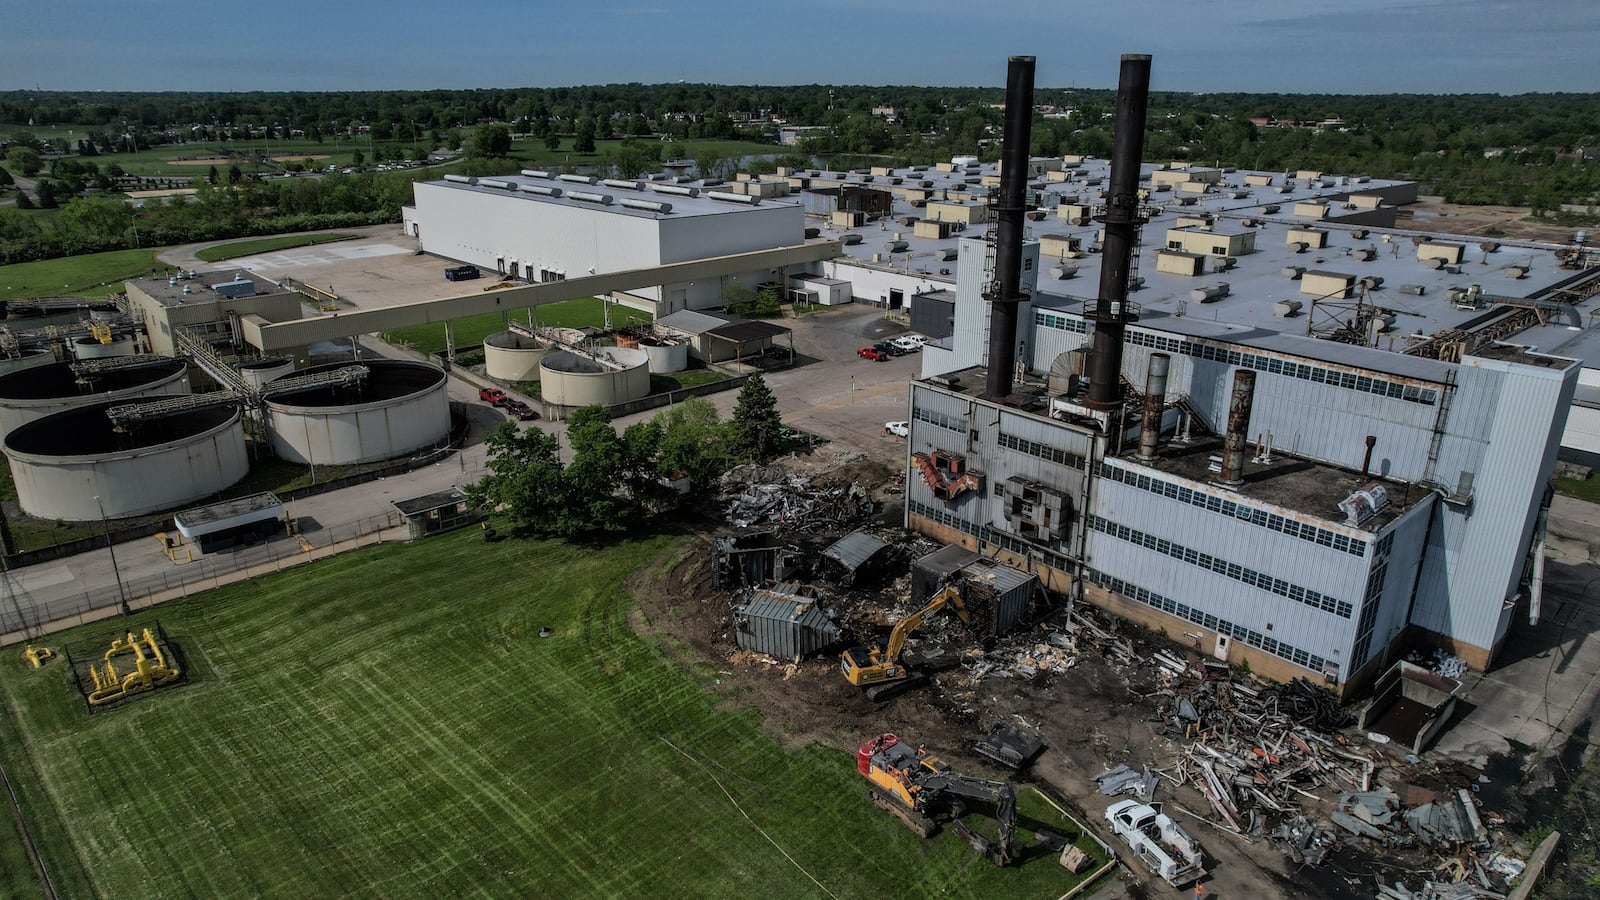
pixel 236 249
pixel 388 723
pixel 587 312
pixel 92 274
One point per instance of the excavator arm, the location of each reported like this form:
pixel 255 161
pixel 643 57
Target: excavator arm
pixel 1004 798
pixel 950 595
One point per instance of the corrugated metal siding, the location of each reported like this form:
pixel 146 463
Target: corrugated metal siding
pixel 933 317
pixel 786 627
pixel 1476 554
pixel 1013 592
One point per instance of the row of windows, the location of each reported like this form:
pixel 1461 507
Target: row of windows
pixel 1008 542
pixel 1261 363
pixel 1206 620
pixel 939 419
pixel 1042 451
pixel 1240 511
pixel 1369 600
pixel 1295 592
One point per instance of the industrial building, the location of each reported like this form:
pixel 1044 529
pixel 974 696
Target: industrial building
pixel 541 227
pixel 1304 479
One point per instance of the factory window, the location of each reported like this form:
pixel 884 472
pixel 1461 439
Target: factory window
pixel 1042 451
pixel 1220 250
pixel 1295 592
pixel 939 419
pixel 1206 620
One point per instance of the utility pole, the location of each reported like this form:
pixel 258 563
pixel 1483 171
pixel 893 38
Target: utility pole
pixel 122 593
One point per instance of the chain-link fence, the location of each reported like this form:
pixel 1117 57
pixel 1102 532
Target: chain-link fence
pixel 40 611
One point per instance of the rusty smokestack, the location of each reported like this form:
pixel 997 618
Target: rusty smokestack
pixel 1238 437
pixel 1155 400
pixel 1366 461
pixel 1122 223
pixel 1004 292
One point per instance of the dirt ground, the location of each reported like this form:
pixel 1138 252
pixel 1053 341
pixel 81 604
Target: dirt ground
pixel 1093 716
pixel 1434 215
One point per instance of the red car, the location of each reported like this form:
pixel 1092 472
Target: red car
pixel 872 353
pixel 493 396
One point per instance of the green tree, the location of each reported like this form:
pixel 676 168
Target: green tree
pixel 96 217
pixel 492 141
pixel 585 140
pixel 358 159
pixel 25 160
pixel 757 426
pixel 24 201
pixel 694 442
pixel 235 174
pixel 524 477
pixel 552 141
pixel 5 178
pixel 47 195
pixel 212 175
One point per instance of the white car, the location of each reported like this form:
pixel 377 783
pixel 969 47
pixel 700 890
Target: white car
pixel 910 343
pixel 898 429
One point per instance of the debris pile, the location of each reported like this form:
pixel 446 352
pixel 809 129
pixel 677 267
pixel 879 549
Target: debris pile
pixel 1438 662
pixel 752 494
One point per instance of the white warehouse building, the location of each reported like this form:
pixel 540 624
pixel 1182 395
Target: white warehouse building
pixel 538 226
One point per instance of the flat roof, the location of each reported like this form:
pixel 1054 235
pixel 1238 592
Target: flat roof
pixel 682 205
pixel 1257 280
pixel 169 291
pixel 418 505
pixel 215 517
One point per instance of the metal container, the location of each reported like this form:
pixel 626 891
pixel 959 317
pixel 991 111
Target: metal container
pixel 781 621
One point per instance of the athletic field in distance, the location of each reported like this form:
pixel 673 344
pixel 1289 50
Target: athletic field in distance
pixel 389 723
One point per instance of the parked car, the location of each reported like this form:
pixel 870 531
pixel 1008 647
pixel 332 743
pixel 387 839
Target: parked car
pixel 909 343
pixel 521 410
pixel 888 349
pixel 492 396
pixel 872 353
pixel 898 429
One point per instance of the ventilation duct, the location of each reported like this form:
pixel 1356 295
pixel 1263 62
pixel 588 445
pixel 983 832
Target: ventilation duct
pixel 675 189
pixel 590 197
pixel 541 190
pixel 623 184
pixel 535 173
pixel 726 197
pixel 578 179
pixel 648 205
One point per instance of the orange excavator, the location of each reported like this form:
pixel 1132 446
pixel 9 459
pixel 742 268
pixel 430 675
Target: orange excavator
pixel 877 666
pixel 920 790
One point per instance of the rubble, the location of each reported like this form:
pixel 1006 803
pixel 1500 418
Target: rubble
pixel 752 494
pixel 1438 662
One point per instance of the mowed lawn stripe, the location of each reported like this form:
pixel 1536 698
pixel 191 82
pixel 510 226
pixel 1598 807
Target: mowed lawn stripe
pixel 391 725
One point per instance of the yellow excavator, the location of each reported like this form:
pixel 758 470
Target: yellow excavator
pixel 920 790
pixel 877 666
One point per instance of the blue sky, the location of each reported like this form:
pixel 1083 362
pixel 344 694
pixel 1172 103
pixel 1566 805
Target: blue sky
pixel 1361 46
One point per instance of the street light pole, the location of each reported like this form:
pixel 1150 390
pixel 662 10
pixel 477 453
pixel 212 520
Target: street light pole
pixel 122 593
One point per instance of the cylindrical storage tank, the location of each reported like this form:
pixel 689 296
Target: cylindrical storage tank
pixel 62 462
pixel 45 390
pixel 91 348
pixel 27 359
pixel 257 372
pixel 510 356
pixel 569 379
pixel 399 407
pixel 666 356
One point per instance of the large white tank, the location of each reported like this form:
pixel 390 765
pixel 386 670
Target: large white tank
pixel 399 407
pixel 45 390
pixel 665 356
pixel 570 379
pixel 509 356
pixel 88 347
pixel 60 463
pixel 257 372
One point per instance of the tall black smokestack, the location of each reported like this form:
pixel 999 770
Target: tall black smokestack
pixel 1005 291
pixel 1122 230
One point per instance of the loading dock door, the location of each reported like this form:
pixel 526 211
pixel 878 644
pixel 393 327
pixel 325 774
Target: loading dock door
pixel 897 298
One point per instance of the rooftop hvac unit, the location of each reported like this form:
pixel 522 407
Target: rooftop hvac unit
pixel 648 205
pixel 590 197
pixel 496 183
pixel 675 189
pixel 461 179
pixel 535 173
pixel 578 179
pixel 541 190
pixel 726 197
pixel 623 184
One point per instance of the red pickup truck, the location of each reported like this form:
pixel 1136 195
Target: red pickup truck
pixel 492 396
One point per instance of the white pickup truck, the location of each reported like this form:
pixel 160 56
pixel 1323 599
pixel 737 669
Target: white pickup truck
pixel 1164 846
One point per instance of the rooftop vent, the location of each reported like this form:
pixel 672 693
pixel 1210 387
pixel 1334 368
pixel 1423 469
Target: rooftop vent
pixel 733 198
pixel 647 205
pixel 623 184
pixel 676 189
pixel 578 179
pixel 541 190
pixel 590 197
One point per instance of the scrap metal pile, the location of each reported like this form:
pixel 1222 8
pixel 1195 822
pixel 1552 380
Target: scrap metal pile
pixel 752 494
pixel 1278 762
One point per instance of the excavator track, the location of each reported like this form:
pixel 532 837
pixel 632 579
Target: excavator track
pixel 917 822
pixel 888 690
